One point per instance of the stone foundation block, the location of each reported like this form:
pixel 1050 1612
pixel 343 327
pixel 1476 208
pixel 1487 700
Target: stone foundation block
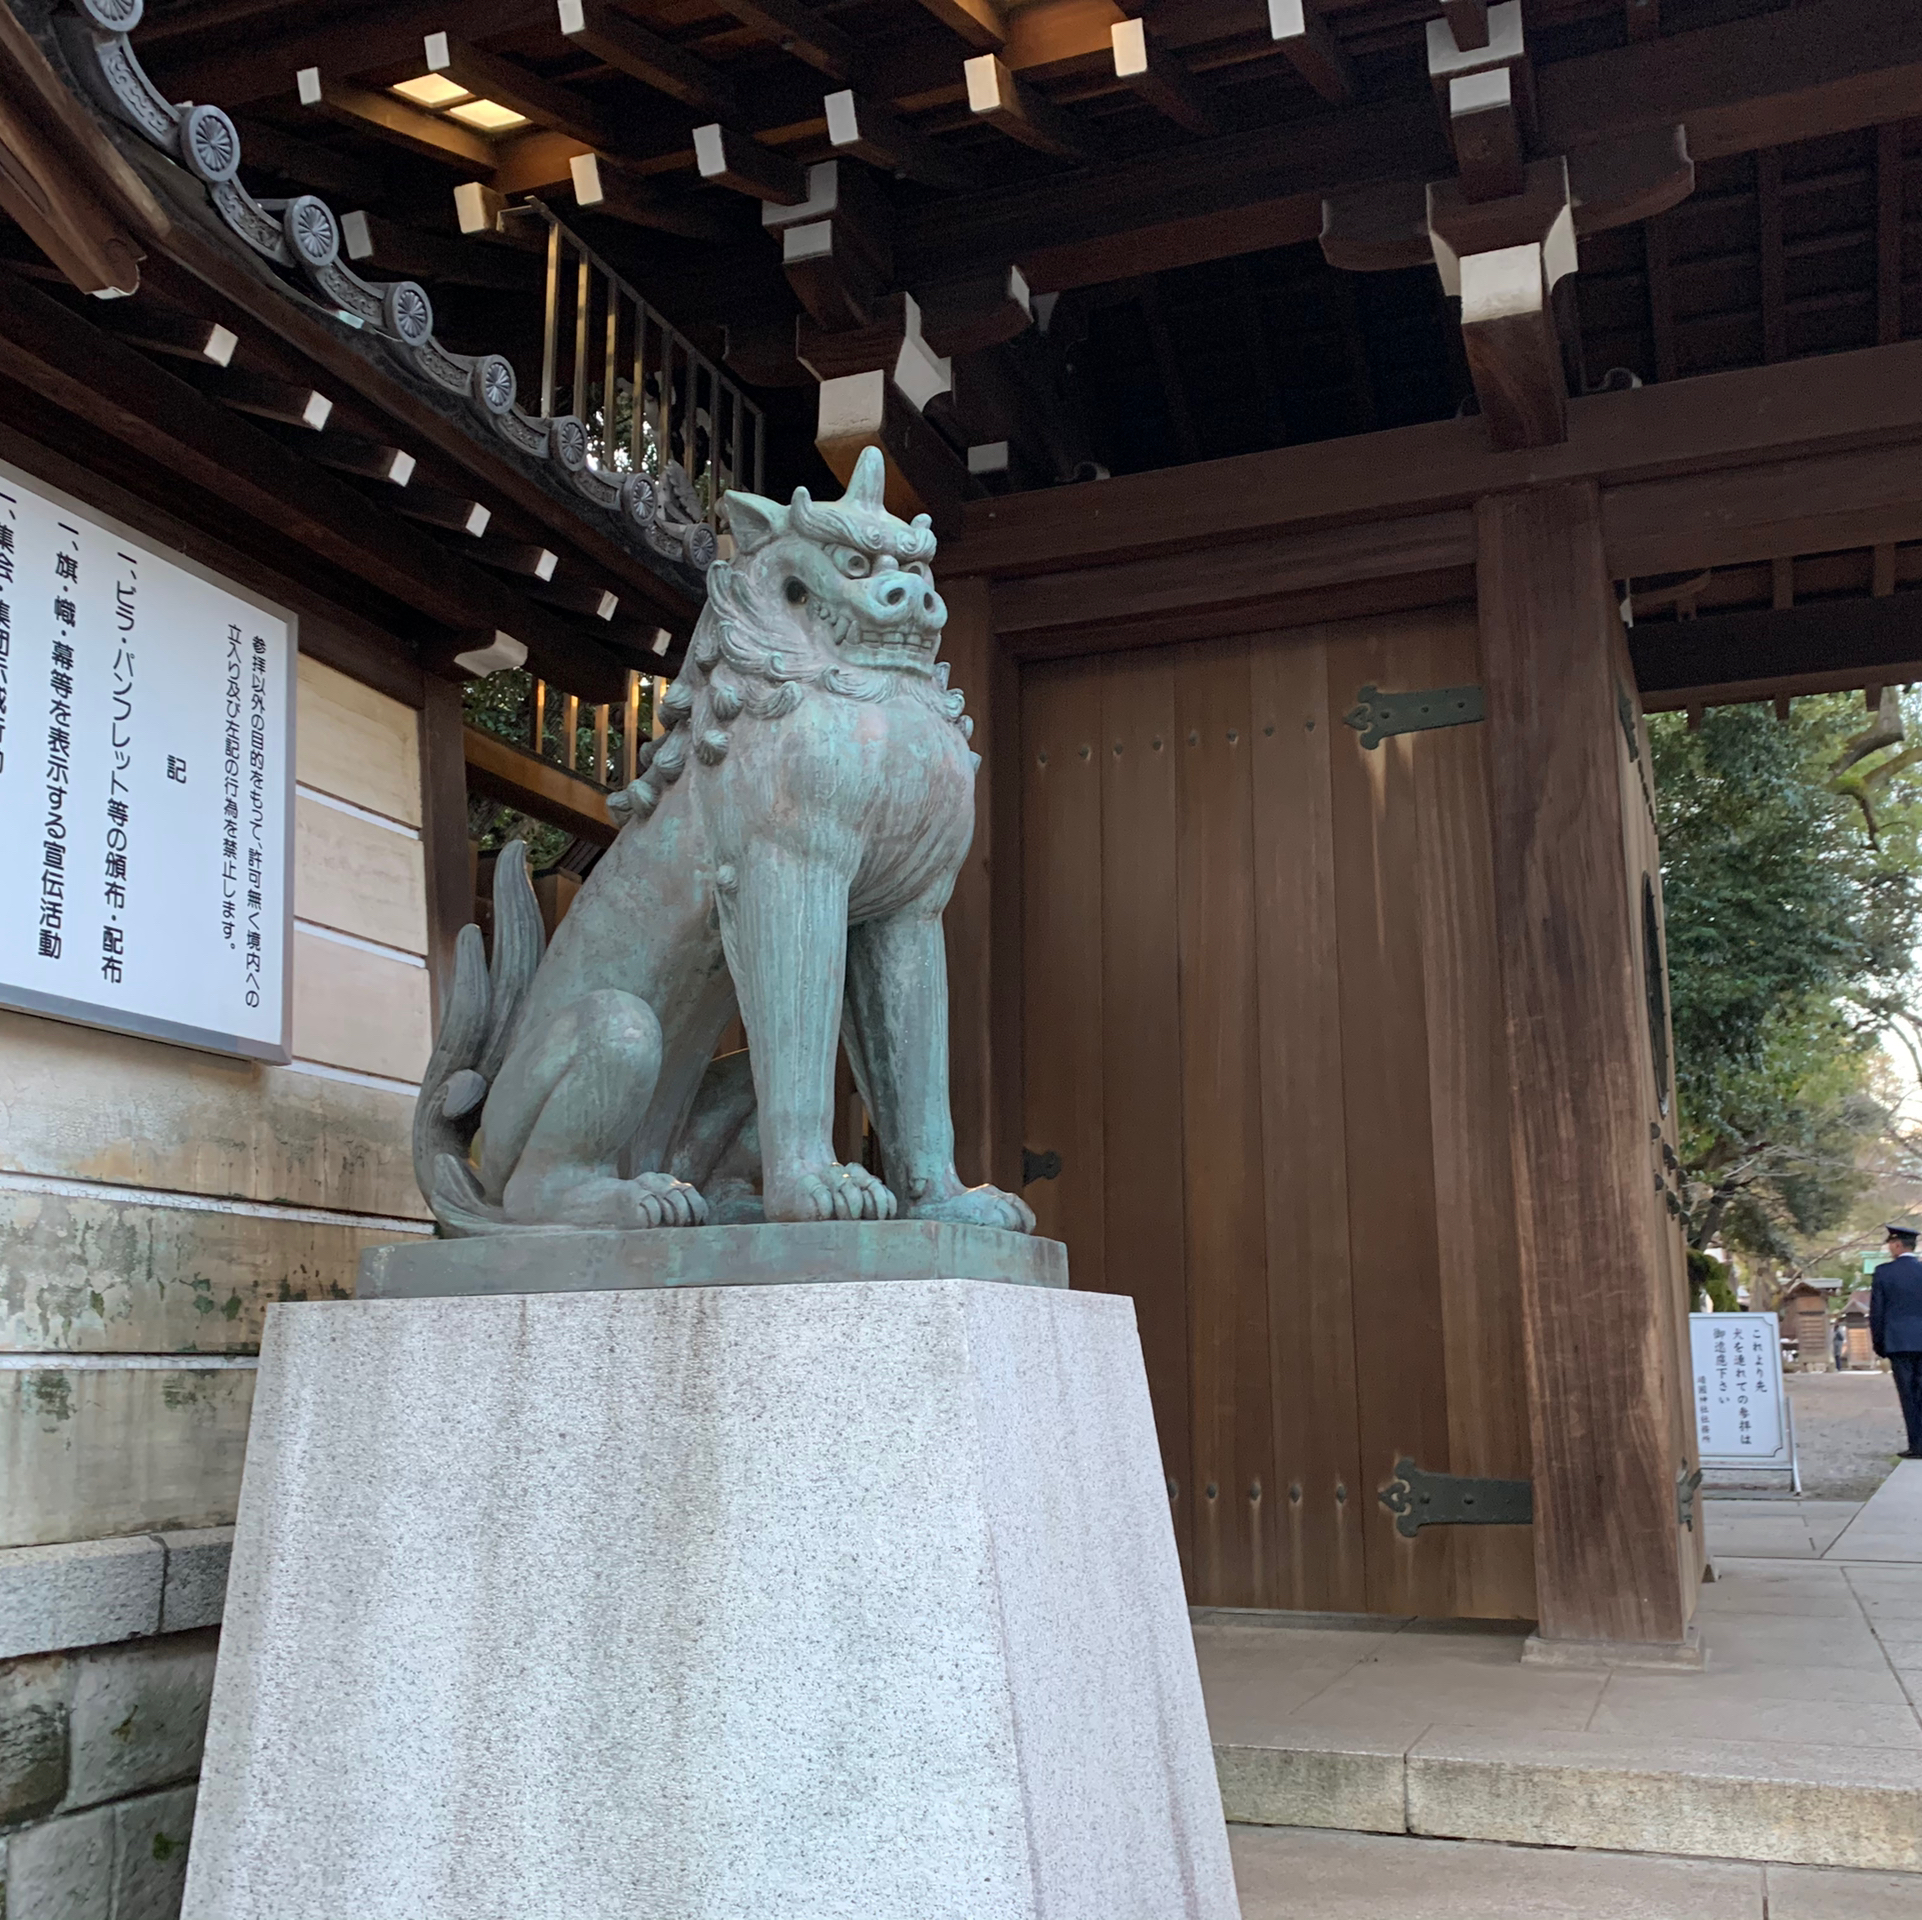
pixel 787 1602
pixel 139 1715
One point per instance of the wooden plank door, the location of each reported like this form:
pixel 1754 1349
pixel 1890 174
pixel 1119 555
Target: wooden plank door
pixel 1262 1030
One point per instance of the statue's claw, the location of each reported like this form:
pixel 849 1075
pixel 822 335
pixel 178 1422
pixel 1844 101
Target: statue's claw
pixel 977 1207
pixel 829 1193
pixel 647 1200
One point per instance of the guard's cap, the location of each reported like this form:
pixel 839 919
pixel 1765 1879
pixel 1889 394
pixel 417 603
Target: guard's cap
pixel 1910 1234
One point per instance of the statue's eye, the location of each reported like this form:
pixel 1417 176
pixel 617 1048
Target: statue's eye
pixel 796 594
pixel 855 565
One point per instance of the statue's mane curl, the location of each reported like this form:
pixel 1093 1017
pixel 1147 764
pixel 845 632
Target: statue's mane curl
pixel 749 656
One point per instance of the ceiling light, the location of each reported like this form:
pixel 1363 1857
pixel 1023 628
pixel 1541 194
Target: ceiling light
pixel 431 90
pixel 488 115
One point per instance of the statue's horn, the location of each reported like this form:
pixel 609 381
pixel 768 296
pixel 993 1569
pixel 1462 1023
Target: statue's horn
pixel 869 485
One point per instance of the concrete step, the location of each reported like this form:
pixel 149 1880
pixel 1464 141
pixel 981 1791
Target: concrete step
pixel 1291 1873
pixel 1736 1800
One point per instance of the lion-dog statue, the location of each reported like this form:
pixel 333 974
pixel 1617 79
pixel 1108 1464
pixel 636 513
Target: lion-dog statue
pixel 787 850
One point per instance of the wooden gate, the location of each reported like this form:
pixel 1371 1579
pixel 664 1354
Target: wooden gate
pixel 1263 1030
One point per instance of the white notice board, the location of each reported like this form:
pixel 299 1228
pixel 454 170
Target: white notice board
pixel 1741 1411
pixel 146 784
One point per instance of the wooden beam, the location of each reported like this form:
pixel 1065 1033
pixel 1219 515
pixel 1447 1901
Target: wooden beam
pixel 1486 132
pixel 520 558
pixel 536 786
pixel 858 127
pixel 243 67
pixel 998 97
pixel 1310 47
pixel 1822 646
pixel 1161 80
pixel 1845 403
pixel 395 122
pixel 1890 197
pixel 1765 80
pixel 180 335
pixel 447 853
pixel 628 47
pixel 1467 21
pixel 451 512
pixel 1248 575
pixel 923 474
pixel 603 186
pixel 1606 1410
pixel 1508 332
pixel 1774 264
pixel 368 459
pixel 733 160
pixel 84 371
pixel 1819 503
pixel 291 403
pixel 542 101
pixel 417 253
pixel 979 24
pixel 797 29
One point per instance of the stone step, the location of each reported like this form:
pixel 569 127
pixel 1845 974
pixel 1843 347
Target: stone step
pixel 1818 1806
pixel 1292 1873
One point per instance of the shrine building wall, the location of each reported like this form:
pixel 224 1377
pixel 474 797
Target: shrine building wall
pixel 154 1200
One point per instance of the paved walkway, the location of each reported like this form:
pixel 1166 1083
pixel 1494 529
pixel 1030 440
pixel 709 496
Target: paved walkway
pixel 1299 1873
pixel 1801 1741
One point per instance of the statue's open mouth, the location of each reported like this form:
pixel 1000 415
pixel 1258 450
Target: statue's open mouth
pixel 877 646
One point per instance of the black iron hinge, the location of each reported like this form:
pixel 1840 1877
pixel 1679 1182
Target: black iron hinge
pixel 1377 715
pixel 1419 1499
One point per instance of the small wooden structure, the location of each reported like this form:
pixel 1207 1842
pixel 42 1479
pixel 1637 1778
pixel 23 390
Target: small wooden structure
pixel 1805 1309
pixel 1858 1345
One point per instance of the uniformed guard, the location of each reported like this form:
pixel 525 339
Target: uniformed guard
pixel 1895 1327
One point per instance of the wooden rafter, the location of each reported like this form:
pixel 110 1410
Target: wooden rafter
pixel 797 29
pixel 871 133
pixel 1774 263
pixel 1160 79
pixel 979 24
pixel 736 161
pixel 630 48
pixel 999 97
pixel 1889 209
pixel 1304 37
pixel 542 101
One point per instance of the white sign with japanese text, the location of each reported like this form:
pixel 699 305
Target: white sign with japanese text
pixel 1741 1411
pixel 146 784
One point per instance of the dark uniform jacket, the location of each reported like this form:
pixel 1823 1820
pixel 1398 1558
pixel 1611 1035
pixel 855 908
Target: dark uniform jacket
pixel 1895 1306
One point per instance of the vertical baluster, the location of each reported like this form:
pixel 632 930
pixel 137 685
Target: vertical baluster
pixel 539 741
pixel 571 733
pixel 583 299
pixel 550 337
pixel 689 451
pixel 607 377
pixel 631 729
pixel 600 745
pixel 637 421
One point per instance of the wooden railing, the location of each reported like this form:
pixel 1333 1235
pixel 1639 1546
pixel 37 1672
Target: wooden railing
pixel 615 364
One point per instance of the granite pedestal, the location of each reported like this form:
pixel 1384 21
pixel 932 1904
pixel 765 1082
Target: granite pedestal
pixel 772 1602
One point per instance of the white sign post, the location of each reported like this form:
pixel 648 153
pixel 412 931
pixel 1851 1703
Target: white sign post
pixel 146 784
pixel 1741 1410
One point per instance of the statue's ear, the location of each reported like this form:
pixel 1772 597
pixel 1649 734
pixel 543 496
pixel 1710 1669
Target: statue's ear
pixel 754 521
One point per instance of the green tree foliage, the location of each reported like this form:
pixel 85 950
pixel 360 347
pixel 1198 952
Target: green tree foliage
pixel 1792 871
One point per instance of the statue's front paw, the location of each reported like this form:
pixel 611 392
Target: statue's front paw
pixel 828 1193
pixel 978 1207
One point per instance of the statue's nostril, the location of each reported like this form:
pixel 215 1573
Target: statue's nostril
pixel 927 602
pixel 894 596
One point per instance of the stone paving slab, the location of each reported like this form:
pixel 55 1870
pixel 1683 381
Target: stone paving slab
pixel 1889 1527
pixel 1290 1873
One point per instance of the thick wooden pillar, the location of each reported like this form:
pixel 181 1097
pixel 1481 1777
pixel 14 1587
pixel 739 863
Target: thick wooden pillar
pixel 1597 1307
pixel 983 920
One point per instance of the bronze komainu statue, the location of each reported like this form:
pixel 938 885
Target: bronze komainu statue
pixel 789 845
